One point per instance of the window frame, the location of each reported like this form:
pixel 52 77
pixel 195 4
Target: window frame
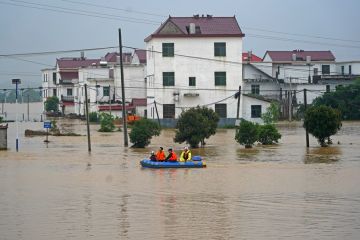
pixel 169 111
pixel 168 79
pixel 221 110
pixel 255 89
pixel 192 81
pixel 168 49
pixel 255 113
pixel 220 80
pixel 220 49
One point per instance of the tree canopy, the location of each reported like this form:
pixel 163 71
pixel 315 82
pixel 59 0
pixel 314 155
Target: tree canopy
pixel 52 104
pixel 142 131
pixel 322 122
pixel 195 125
pixel 345 98
pixel 247 133
pixel 272 113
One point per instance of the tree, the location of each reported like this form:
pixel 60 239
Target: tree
pixel 268 134
pixel 142 131
pixel 322 122
pixel 106 122
pixel 272 113
pixel 52 104
pixel 346 99
pixel 195 125
pixel 247 133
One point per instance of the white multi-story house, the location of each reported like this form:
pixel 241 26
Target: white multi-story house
pixel 189 64
pixel 48 83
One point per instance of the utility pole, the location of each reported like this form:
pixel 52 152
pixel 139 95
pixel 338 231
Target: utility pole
pixel 238 104
pixel 87 118
pixel 110 99
pixel 306 130
pixel 16 82
pixel 28 107
pixel 290 101
pixel 123 92
pixel 157 113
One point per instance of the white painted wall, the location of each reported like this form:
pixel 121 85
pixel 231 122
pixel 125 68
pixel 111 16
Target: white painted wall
pixel 355 67
pixel 246 103
pixel 47 84
pixel 185 67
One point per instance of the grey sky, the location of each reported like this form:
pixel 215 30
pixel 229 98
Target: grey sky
pixel 26 29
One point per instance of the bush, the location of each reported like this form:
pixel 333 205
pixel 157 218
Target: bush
pixel 93 117
pixel 272 114
pixel 247 133
pixel 322 122
pixel 195 125
pixel 268 134
pixel 106 122
pixel 142 131
pixel 52 104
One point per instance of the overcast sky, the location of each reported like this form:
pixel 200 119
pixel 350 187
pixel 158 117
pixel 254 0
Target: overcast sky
pixel 27 28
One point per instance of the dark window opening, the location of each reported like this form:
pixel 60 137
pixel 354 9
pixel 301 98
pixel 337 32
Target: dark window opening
pixel 192 81
pixel 169 111
pixel 255 89
pixel 168 49
pixel 220 109
pixel 168 78
pixel 106 91
pixel 325 69
pixel 220 78
pixel 69 92
pixel 255 111
pixel 220 49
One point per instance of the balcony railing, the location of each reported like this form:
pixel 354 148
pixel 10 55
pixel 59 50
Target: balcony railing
pixel 67 98
pixel 67 81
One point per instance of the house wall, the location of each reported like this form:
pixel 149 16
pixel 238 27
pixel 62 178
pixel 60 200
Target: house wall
pixel 47 84
pixel 185 67
pixel 246 103
pixel 355 67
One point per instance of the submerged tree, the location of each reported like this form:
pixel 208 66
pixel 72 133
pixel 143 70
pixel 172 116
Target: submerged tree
pixel 52 104
pixel 268 134
pixel 247 133
pixel 195 125
pixel 322 122
pixel 142 131
pixel 106 122
pixel 272 113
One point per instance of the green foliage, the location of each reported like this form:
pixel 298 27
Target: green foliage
pixel 268 134
pixel 322 122
pixel 1 119
pixel 142 131
pixel 93 117
pixel 247 133
pixel 272 114
pixel 195 125
pixel 346 99
pixel 52 104
pixel 106 122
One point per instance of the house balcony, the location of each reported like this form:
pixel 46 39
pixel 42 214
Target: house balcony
pixel 67 98
pixel 342 77
pixel 68 81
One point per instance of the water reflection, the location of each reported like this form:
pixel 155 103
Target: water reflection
pixel 328 154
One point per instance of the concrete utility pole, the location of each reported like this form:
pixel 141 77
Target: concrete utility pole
pixel 157 113
pixel 16 82
pixel 306 130
pixel 238 104
pixel 28 107
pixel 123 92
pixel 290 102
pixel 87 118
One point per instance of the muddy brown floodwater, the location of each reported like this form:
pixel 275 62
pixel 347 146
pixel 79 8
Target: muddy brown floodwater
pixel 59 191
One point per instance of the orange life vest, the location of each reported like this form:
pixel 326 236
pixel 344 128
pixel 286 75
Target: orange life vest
pixel 160 156
pixel 173 157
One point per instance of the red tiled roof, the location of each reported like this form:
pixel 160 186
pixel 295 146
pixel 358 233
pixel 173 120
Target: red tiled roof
pixel 301 55
pixel 69 75
pixel 76 62
pixel 138 102
pixel 209 27
pixel 141 54
pixel 254 58
pixel 112 57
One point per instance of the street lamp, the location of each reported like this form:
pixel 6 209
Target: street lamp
pixel 16 82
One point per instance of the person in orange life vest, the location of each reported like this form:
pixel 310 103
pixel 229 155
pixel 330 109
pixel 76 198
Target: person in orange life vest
pixel 152 156
pixel 185 155
pixel 172 156
pixel 160 155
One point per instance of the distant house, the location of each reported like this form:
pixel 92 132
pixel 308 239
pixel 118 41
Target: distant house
pixel 187 65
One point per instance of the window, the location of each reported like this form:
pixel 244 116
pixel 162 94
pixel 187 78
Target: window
pixel 350 70
pixel 220 49
pixel 325 69
pixel 220 109
pixel 106 91
pixel 69 92
pixel 54 92
pixel 342 70
pixel 168 78
pixel 220 78
pixel 54 77
pixel 255 111
pixel 327 88
pixel 169 111
pixel 255 89
pixel 192 81
pixel 168 49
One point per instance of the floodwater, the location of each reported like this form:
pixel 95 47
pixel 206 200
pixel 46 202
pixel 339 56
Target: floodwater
pixel 59 191
pixel 26 112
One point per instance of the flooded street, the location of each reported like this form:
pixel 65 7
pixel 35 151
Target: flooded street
pixel 59 191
